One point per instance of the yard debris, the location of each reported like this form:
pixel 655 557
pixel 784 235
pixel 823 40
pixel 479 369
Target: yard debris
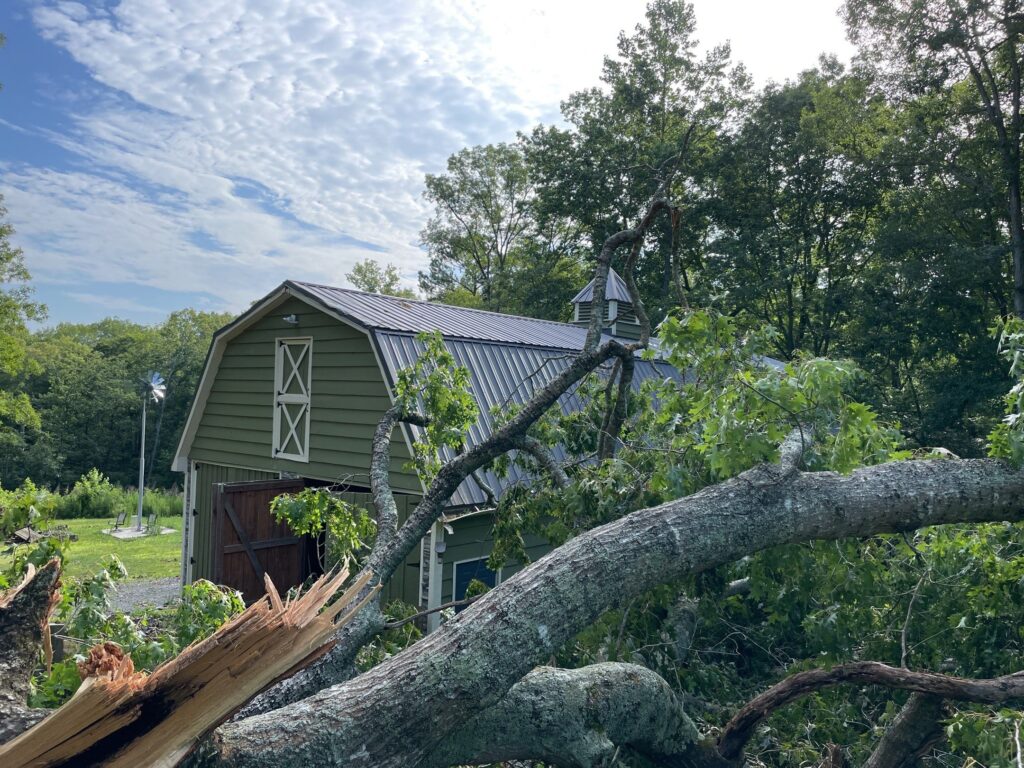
pixel 120 717
pixel 28 536
pixel 23 630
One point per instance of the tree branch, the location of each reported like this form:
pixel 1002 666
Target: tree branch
pixel 615 417
pixel 575 718
pixel 997 690
pixel 544 458
pixel 915 730
pixel 453 604
pixel 604 261
pixel 795 447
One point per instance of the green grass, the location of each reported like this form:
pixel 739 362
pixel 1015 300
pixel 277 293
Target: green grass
pixel 149 557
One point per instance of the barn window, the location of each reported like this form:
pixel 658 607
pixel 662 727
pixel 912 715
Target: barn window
pixel 467 570
pixel 293 377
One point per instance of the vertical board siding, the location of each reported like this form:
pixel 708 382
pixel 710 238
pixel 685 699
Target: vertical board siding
pixel 206 476
pixel 403 586
pixel 348 396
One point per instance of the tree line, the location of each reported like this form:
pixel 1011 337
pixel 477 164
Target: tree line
pixel 869 211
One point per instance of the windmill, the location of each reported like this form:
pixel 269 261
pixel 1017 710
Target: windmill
pixel 156 389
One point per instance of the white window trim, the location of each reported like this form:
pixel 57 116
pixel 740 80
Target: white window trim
pixel 457 563
pixel 280 384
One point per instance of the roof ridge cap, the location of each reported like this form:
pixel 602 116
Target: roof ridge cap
pixel 432 303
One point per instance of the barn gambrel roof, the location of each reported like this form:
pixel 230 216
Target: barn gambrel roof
pixel 509 357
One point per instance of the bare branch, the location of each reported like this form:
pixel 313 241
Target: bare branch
pixel 997 690
pixel 604 261
pixel 904 650
pixel 380 471
pixel 615 417
pixel 481 481
pixel 380 476
pixel 453 604
pixel 544 457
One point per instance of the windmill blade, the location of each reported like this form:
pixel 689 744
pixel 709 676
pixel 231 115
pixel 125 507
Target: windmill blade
pixel 156 386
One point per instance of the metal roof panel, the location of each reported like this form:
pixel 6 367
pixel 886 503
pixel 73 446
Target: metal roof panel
pixel 500 375
pixel 391 313
pixel 615 290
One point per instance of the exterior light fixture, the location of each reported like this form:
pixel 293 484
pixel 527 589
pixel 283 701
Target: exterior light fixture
pixel 291 319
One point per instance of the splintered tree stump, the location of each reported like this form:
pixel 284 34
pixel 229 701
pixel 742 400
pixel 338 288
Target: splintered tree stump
pixel 24 629
pixel 121 718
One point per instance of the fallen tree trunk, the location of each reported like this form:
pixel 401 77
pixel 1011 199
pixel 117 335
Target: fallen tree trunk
pixel 24 611
pixel 121 718
pixel 398 713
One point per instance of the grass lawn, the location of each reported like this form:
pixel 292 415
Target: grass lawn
pixel 149 557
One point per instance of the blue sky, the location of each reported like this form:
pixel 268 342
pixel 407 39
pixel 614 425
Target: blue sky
pixel 156 154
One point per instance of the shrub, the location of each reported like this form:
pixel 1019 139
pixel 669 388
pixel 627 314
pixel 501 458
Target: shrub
pixel 164 504
pixel 150 637
pixel 23 505
pixel 93 496
pixel 204 606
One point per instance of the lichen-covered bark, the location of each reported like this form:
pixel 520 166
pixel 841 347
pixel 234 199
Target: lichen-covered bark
pixel 23 616
pixel 398 713
pixel 575 718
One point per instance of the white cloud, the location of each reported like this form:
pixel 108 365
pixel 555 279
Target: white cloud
pixel 222 113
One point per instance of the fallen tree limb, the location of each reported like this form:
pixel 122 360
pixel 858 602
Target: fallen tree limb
pixel 996 690
pixel 123 719
pixel 575 718
pixel 397 713
pixel 24 611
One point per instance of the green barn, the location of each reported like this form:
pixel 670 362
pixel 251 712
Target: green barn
pixel 290 396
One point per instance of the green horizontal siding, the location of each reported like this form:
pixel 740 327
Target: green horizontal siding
pixel 471 539
pixel 348 396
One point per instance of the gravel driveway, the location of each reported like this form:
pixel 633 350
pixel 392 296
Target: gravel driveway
pixel 144 593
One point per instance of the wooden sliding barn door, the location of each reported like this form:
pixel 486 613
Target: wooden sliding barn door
pixel 249 542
